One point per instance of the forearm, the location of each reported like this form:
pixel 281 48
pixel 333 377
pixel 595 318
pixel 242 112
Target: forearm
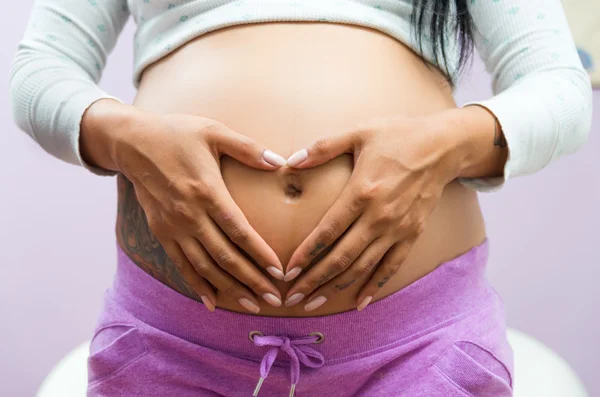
pixel 56 69
pixel 103 124
pixel 542 94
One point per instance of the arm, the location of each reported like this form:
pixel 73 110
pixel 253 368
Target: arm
pixel 402 164
pixel 57 67
pixel 542 93
pixel 176 182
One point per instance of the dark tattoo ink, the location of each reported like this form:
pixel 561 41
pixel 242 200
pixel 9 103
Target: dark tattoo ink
pixel 341 287
pixel 317 248
pixel 499 139
pixel 383 281
pixel 141 246
pixel 321 255
pixel 323 279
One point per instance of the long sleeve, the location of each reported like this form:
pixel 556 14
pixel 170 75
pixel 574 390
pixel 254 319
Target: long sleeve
pixel 57 67
pixel 542 94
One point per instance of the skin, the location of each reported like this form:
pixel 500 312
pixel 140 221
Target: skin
pixel 142 246
pixel 205 101
pixel 185 203
pixel 387 206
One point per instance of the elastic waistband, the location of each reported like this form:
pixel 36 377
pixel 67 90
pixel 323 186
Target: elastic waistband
pixel 452 290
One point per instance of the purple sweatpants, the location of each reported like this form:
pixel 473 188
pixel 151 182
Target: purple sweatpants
pixel 442 336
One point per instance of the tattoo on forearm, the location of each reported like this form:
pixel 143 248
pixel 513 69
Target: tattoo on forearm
pixel 341 287
pixel 499 139
pixel 383 281
pixel 139 243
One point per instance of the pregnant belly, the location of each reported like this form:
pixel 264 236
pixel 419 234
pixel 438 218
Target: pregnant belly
pixel 286 85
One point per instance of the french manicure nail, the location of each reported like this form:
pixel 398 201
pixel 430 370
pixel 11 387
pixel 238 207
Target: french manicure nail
pixel 363 303
pixel 278 274
pixel 248 304
pixel 273 158
pixel 292 300
pixel 292 274
pixel 313 304
pixel 272 299
pixel 209 305
pixel 297 157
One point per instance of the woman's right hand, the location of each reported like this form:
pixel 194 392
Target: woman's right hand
pixel 173 161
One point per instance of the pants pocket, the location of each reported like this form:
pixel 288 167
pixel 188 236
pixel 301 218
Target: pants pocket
pixel 475 370
pixel 112 349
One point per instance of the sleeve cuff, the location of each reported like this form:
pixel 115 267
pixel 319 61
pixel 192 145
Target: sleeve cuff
pixel 484 185
pixel 83 106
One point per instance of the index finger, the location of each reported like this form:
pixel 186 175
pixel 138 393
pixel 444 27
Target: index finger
pixel 232 221
pixel 336 221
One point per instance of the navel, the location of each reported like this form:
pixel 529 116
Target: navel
pixel 292 185
pixel 292 190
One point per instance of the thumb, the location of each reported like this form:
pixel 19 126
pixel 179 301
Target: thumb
pixel 324 149
pixel 246 150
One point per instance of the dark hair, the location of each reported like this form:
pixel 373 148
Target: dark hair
pixel 436 20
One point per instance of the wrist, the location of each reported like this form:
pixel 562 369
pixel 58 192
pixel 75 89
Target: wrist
pixel 104 125
pixel 480 141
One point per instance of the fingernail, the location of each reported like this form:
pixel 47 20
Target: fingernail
pixel 273 158
pixel 313 304
pixel 363 303
pixel 272 299
pixel 248 304
pixel 297 157
pixel 292 274
pixel 207 302
pixel 278 274
pixel 292 300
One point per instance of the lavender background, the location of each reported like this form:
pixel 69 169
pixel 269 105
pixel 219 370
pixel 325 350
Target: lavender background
pixel 58 251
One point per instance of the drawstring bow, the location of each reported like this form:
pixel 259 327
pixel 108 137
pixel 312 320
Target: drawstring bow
pixel 298 351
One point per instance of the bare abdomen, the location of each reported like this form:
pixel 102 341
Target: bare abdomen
pixel 286 85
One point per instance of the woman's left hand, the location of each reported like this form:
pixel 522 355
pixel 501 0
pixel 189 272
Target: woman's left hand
pixel 401 165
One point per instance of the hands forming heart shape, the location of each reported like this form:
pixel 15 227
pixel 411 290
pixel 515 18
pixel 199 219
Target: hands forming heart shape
pixel 401 166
